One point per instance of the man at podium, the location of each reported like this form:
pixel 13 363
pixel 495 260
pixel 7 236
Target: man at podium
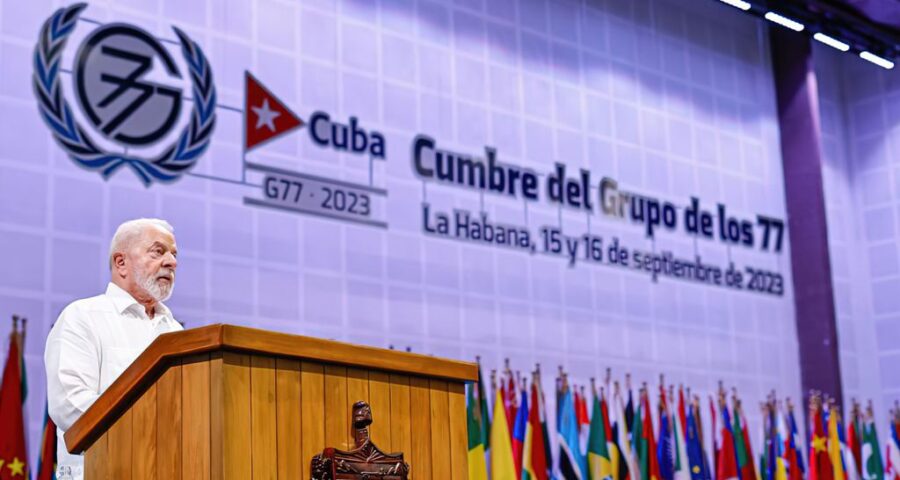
pixel 95 339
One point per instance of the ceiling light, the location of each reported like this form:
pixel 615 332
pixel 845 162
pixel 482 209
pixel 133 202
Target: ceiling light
pixel 784 21
pixel 831 42
pixel 737 4
pixel 881 62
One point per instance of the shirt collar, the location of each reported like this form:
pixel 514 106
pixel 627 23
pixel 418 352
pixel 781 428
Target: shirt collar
pixel 123 300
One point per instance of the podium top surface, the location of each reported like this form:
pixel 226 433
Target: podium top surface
pixel 171 346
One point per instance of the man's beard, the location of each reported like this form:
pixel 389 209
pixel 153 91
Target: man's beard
pixel 150 283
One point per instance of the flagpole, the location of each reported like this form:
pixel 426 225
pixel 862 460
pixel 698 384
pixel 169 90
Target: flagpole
pixel 19 334
pixel 494 384
pixel 21 338
pixel 244 130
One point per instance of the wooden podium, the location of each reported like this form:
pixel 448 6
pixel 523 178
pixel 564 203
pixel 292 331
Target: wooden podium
pixel 227 402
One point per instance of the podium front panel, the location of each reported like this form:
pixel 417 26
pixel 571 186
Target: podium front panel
pixel 236 416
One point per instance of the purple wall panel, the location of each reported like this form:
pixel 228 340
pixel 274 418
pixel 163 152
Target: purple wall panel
pixel 798 114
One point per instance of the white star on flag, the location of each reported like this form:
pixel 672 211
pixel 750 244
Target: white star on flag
pixel 265 115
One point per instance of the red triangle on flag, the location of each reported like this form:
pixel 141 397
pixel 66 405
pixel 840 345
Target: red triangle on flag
pixel 265 116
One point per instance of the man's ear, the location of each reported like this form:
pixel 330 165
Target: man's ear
pixel 118 261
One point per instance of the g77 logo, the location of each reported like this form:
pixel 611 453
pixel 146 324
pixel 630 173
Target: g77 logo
pixel 111 90
pixel 122 104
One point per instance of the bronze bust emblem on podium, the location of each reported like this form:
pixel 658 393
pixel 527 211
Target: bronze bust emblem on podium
pixel 365 462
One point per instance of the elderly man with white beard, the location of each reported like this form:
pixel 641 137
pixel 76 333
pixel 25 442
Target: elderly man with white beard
pixel 96 338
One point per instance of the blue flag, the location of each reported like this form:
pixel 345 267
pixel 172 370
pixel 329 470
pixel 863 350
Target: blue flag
pixel 518 437
pixel 572 464
pixel 665 449
pixel 795 442
pixel 772 445
pixel 699 467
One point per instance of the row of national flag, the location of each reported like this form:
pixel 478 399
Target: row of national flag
pixel 615 433
pixel 14 463
pixel 837 450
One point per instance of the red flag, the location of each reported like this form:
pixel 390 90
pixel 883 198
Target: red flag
pixel 748 470
pixel 47 462
pixel 819 462
pixel 584 421
pixel 265 116
pixel 576 399
pixel 716 436
pixel 536 466
pixel 727 461
pixel 647 432
pixel 854 438
pixel 793 460
pixel 604 410
pixel 13 456
pixel 508 392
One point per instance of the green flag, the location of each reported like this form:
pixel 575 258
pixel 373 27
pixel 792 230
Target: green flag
pixel 873 468
pixel 640 444
pixel 740 448
pixel 475 421
pixel 485 417
pixel 599 466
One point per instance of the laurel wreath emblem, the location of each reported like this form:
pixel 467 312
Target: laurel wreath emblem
pixel 169 165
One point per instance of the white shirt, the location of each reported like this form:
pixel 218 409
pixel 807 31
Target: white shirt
pixel 93 341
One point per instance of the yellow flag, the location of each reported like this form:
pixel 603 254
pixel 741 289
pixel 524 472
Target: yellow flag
pixel 502 465
pixel 477 467
pixel 781 469
pixel 599 467
pixel 834 447
pixel 614 454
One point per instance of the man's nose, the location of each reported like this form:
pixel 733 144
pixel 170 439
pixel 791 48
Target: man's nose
pixel 170 261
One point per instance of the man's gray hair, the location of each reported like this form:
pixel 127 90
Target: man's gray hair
pixel 131 230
